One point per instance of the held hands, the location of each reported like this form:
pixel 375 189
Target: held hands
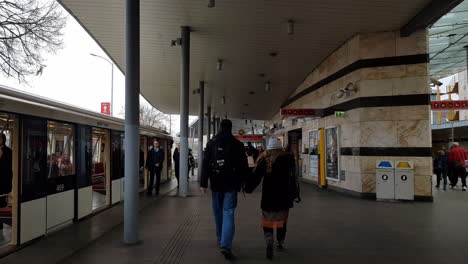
pixel 203 190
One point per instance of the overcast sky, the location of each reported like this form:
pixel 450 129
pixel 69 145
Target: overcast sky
pixel 75 77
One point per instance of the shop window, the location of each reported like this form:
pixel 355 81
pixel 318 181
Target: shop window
pixel 60 149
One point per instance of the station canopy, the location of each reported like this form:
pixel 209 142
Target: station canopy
pixel 447 42
pixel 250 36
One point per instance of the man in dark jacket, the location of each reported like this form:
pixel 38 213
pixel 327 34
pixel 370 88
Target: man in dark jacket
pixel 154 164
pixel 225 166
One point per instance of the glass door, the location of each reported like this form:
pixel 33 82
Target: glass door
pixel 8 175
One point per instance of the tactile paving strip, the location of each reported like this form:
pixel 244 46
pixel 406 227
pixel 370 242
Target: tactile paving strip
pixel 175 248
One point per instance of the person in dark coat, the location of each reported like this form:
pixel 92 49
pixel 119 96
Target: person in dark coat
pixel 224 167
pixel 441 168
pixel 280 189
pixel 6 172
pixel 176 158
pixel 154 164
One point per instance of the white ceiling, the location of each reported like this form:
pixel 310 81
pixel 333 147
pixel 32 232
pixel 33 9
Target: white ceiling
pixel 243 33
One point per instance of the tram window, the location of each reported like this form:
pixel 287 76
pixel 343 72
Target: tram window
pixel 60 149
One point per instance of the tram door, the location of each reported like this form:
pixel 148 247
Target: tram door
pixel 33 190
pixel 61 173
pixel 8 179
pixel 100 169
pixel 117 165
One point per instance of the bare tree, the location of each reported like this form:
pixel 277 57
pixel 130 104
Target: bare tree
pixel 150 116
pixel 28 28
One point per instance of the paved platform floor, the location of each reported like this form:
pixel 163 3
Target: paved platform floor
pixel 326 227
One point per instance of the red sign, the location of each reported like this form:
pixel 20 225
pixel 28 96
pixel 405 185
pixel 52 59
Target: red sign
pixel 449 105
pixel 249 138
pixel 301 112
pixel 105 108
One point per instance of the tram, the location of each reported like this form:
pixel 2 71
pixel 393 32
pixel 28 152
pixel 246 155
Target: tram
pixel 67 164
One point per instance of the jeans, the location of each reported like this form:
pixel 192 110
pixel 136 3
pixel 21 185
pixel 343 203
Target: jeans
pixel 224 206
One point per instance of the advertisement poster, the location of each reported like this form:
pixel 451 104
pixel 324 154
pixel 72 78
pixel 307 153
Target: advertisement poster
pixel 314 138
pixel 331 148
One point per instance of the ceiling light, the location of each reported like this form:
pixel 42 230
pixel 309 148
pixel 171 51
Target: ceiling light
pixel 223 100
pixel 211 3
pixel 219 64
pixel 290 27
pixel 452 39
pixel 267 86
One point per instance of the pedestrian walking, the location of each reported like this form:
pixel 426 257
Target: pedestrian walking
pixel 279 190
pixel 224 167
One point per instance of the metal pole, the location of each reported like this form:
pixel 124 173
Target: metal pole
pixel 214 125
pixel 209 124
pixel 112 89
pixel 201 118
pixel 132 120
pixel 184 105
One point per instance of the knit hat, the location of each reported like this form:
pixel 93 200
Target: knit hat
pixel 274 143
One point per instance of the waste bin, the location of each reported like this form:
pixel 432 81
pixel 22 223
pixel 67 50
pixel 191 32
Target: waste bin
pixel 385 180
pixel 404 180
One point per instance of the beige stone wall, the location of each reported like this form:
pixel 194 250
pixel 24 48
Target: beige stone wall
pixel 372 127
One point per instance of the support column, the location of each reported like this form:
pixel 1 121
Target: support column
pixel 184 105
pixel 214 125
pixel 132 120
pixel 201 118
pixel 209 123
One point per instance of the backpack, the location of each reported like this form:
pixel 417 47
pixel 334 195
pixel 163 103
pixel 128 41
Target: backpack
pixel 221 164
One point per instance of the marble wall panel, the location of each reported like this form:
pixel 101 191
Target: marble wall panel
pixel 378 134
pixel 413 133
pixel 411 85
pixel 350 135
pixel 370 88
pixel 368 183
pixel 423 185
pixel 382 44
pixel 380 73
pixel 377 114
pixel 417 70
pixel 416 43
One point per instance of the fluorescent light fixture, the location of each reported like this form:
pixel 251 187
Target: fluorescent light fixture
pixel 223 100
pixel 290 27
pixel 211 3
pixel 219 64
pixel 267 86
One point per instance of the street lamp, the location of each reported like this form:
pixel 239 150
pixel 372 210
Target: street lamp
pixel 112 81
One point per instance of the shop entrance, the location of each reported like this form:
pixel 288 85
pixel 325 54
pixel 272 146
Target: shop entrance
pixel 295 147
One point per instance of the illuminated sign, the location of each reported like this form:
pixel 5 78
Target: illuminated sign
pixel 301 112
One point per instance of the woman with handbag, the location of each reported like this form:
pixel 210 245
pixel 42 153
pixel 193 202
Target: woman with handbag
pixel 280 189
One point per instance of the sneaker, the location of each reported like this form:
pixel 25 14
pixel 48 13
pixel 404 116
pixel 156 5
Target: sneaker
pixel 437 186
pixel 464 188
pixel 269 252
pixel 453 187
pixel 280 246
pixel 227 254
pixel 445 188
